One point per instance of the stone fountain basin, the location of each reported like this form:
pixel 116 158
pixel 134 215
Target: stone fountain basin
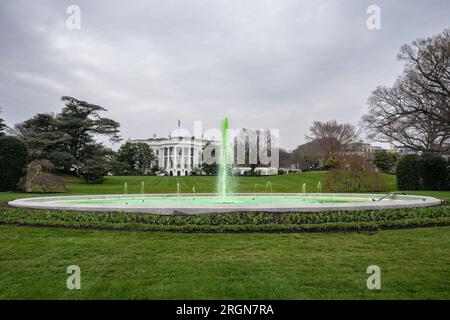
pixel 169 204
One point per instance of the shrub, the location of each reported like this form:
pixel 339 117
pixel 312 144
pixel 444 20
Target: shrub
pixel 93 171
pixel 234 222
pixel 330 164
pixel 36 174
pixel 354 174
pixel 433 171
pixel 13 159
pixel 428 172
pixel 408 173
pixel 448 173
pixel 120 168
pixel 385 161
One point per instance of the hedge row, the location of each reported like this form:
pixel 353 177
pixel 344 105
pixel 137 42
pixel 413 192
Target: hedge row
pixel 426 172
pixel 234 222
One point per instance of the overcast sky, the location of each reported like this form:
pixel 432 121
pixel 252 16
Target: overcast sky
pixel 264 64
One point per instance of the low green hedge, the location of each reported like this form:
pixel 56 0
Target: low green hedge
pixel 233 222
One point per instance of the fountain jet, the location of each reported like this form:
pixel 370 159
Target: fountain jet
pixel 223 168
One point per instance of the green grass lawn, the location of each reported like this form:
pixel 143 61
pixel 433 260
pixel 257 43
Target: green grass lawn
pixel 202 184
pixel 414 264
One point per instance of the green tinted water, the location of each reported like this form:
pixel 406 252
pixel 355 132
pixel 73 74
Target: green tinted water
pixel 205 200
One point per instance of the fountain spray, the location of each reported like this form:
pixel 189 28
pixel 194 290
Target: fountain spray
pixel 223 169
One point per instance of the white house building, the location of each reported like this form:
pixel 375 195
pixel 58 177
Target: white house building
pixel 176 156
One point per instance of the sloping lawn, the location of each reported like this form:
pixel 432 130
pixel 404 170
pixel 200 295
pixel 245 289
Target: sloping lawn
pixel 414 264
pixel 203 184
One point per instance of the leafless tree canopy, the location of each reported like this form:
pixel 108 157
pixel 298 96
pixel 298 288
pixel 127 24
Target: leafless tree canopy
pixel 335 138
pixel 415 111
pixel 308 155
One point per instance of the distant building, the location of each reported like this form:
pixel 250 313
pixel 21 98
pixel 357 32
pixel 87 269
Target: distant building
pixel 405 150
pixel 177 156
pixel 266 171
pixel 365 150
pixel 260 171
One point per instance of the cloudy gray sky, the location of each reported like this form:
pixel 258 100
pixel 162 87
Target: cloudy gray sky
pixel 264 64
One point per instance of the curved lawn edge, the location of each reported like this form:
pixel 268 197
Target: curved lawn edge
pixel 319 228
pixel 249 222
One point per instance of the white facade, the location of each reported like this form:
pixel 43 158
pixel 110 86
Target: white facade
pixel 177 156
pixel 262 171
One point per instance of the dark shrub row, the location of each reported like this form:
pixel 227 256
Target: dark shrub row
pixel 249 221
pixel 426 172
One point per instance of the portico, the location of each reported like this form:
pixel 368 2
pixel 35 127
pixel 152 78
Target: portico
pixel 177 156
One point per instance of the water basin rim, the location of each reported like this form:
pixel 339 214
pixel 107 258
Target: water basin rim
pixel 368 196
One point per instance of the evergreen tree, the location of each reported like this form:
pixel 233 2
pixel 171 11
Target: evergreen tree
pixel 2 126
pixel 68 138
pixel 139 157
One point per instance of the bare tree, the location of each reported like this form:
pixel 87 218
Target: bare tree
pixel 415 111
pixel 308 155
pixel 335 138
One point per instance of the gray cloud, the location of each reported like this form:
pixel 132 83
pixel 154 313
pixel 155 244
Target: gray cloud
pixel 275 64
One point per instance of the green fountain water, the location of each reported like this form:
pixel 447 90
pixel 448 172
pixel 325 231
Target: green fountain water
pixel 256 191
pixel 172 203
pixel 223 166
pixel 269 187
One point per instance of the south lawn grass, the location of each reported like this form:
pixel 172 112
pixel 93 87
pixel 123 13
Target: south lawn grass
pixel 415 263
pixel 205 184
pixel 202 184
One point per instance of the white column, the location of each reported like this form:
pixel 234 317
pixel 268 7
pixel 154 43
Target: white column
pixel 166 155
pixel 189 158
pixel 197 157
pixel 175 158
